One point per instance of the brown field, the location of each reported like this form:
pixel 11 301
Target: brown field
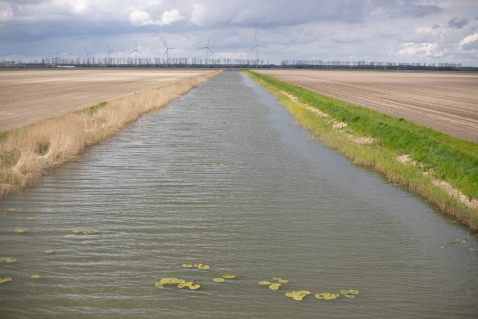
pixel 27 96
pixel 446 102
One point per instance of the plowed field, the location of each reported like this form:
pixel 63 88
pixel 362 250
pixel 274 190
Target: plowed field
pixel 27 96
pixel 446 102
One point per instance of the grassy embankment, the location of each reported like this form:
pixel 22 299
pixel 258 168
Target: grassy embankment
pixel 27 152
pixel 441 169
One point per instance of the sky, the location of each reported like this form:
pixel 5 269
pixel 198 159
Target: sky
pixel 414 31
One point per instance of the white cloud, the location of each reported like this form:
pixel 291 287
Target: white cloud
pixel 420 50
pixel 469 39
pixel 141 18
pixel 169 17
pixel 6 13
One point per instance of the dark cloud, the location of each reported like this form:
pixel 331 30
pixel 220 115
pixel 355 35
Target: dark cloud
pixel 471 46
pixel 436 26
pixel 457 23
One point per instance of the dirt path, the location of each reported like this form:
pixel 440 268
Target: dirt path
pixel 27 96
pixel 446 102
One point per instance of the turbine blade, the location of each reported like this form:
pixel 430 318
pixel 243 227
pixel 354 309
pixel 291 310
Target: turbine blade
pixel 210 50
pixel 256 39
pixel 253 48
pixel 164 44
pixel 263 46
pixel 140 52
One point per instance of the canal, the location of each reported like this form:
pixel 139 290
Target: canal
pixel 223 176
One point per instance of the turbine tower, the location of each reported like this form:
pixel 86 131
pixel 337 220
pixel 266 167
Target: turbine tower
pixel 108 55
pixel 166 53
pixel 257 46
pixel 207 52
pixel 135 51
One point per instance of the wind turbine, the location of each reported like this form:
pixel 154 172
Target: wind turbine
pixel 108 55
pixel 257 46
pixel 207 52
pixel 109 51
pixel 166 53
pixel 88 53
pixel 135 51
pixel 69 53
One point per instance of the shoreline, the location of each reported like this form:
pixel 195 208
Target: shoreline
pixel 26 153
pixel 366 138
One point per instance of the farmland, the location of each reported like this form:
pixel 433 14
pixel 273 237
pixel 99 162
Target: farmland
pixel 446 102
pixel 27 96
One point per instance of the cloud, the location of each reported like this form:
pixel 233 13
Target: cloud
pixel 6 12
pixel 470 42
pixel 142 18
pixel 436 26
pixel 457 23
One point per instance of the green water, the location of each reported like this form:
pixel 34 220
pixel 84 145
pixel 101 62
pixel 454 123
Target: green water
pixel 223 176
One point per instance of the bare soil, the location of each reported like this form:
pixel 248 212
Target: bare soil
pixel 446 102
pixel 27 96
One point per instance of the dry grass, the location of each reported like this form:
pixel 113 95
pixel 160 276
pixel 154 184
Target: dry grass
pixel 28 152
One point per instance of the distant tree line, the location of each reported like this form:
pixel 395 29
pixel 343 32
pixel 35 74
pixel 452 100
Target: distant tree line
pixel 319 64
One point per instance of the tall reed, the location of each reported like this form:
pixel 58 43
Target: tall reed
pixel 28 152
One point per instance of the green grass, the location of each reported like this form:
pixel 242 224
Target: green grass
pixel 443 157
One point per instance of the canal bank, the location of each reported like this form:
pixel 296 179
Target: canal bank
pixel 28 152
pixel 441 169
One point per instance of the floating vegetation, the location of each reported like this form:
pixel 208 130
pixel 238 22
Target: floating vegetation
pixel 201 266
pixel 35 276
pixel 274 285
pixel 319 270
pixel 214 165
pixel 11 209
pixel 187 265
pixel 474 249
pixel 349 293
pixel 20 230
pixel 81 232
pixel 31 217
pixel 162 170
pixel 327 296
pixel 297 294
pixel 457 241
pixel 181 283
pixel 4 280
pixel 8 259
pixel 218 279
pixel 228 276
pixel 49 251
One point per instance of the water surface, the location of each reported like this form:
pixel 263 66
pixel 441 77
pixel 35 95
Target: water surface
pixel 223 176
